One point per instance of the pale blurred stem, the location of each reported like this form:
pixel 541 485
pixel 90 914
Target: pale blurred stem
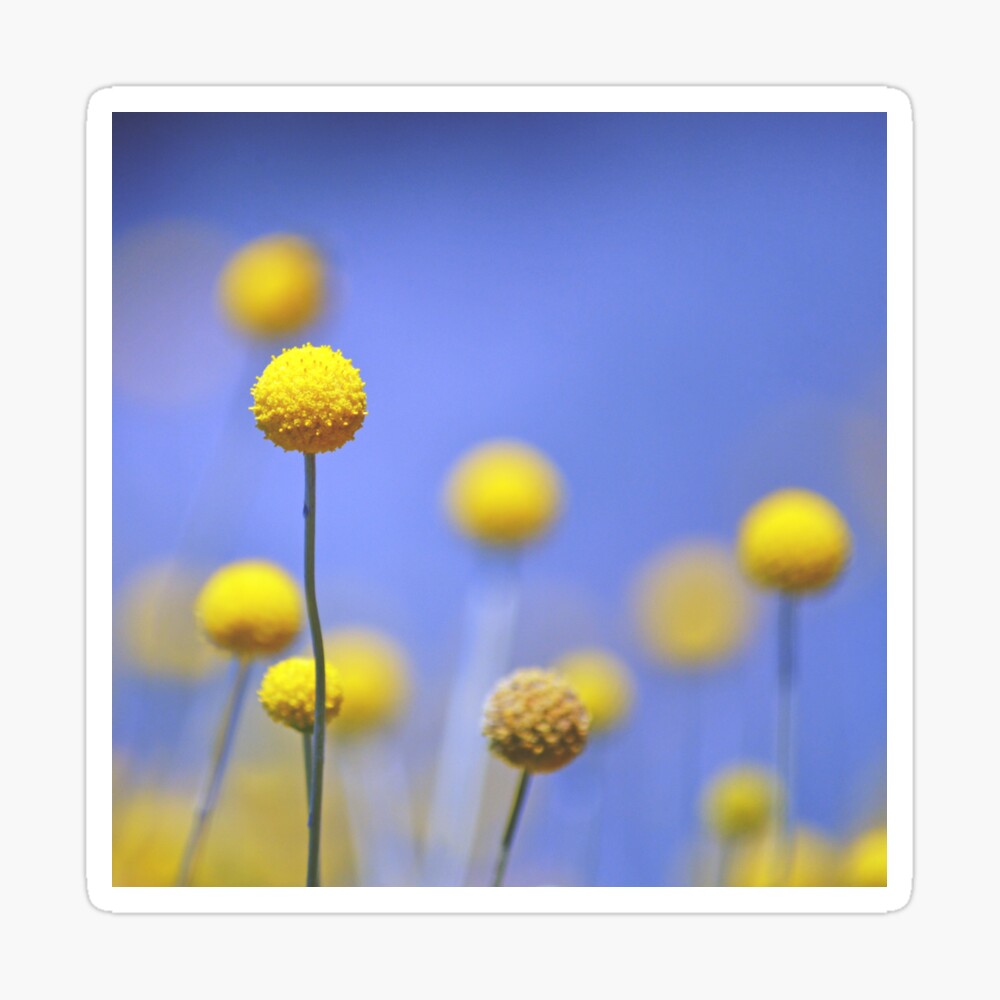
pixel 319 730
pixel 217 769
pixel 724 861
pixel 512 820
pixel 785 755
pixel 307 754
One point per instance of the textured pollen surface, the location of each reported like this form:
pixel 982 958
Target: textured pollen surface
pixel 250 608
pixel 309 399
pixel 795 541
pixel 288 693
pixel 741 802
pixel 602 682
pixel 504 493
pixel 534 720
pixel 273 286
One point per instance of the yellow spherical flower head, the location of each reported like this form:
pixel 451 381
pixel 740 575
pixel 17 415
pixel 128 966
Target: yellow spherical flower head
pixel 250 608
pixel 865 862
pixel 813 862
pixel 375 676
pixel 273 286
pixel 740 802
pixel 692 607
pixel 309 399
pixel 602 682
pixel 504 493
pixel 795 541
pixel 288 693
pixel 535 721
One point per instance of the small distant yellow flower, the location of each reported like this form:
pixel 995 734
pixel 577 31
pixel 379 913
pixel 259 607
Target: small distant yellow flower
pixel 693 608
pixel 795 541
pixel 534 721
pixel 865 860
pixel 309 399
pixel 602 682
pixel 813 862
pixel 740 802
pixel 375 676
pixel 250 608
pixel 288 693
pixel 273 286
pixel 504 493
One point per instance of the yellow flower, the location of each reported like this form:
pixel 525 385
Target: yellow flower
pixel 250 608
pixel 795 541
pixel 534 720
pixel 504 493
pixel 865 860
pixel 375 676
pixel 273 286
pixel 602 682
pixel 154 621
pixel 288 693
pixel 740 802
pixel 148 829
pixel 309 399
pixel 813 862
pixel 692 607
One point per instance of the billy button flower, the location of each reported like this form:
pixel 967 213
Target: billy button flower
pixel 311 400
pixel 535 722
pixel 602 682
pixel 251 608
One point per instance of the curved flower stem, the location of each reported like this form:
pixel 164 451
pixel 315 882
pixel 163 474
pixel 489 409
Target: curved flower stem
pixel 307 754
pixel 220 757
pixel 785 754
pixel 319 731
pixel 511 829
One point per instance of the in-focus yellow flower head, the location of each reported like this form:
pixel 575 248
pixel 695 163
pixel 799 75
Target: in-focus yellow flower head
pixel 273 286
pixel 813 862
pixel 740 802
pixel 153 620
pixel 692 607
pixel 865 860
pixel 535 721
pixel 602 682
pixel 288 693
pixel 250 608
pixel 309 399
pixel 795 541
pixel 504 493
pixel 375 676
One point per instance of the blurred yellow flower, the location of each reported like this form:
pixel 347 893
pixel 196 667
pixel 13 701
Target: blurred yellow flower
pixel 503 493
pixel 250 608
pixel 374 673
pixel 272 286
pixel 534 720
pixel 795 541
pixel 602 682
pixel 148 830
pixel 813 862
pixel 288 693
pixel 155 623
pixel 692 607
pixel 309 399
pixel 740 801
pixel 865 860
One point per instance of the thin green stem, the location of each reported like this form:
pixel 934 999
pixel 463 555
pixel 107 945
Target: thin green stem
pixel 785 749
pixel 307 754
pixel 220 757
pixel 319 724
pixel 511 828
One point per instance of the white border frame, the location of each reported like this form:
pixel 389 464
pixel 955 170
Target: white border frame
pixel 896 106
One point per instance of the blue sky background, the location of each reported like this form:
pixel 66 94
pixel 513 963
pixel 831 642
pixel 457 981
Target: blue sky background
pixel 684 311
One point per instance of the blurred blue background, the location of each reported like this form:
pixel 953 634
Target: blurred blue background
pixel 685 311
